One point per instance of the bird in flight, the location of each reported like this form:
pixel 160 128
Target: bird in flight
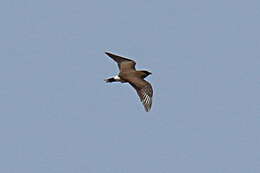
pixel 135 78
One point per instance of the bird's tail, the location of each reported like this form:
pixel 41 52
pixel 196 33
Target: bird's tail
pixel 112 79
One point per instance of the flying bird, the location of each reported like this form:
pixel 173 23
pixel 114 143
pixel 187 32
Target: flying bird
pixel 135 78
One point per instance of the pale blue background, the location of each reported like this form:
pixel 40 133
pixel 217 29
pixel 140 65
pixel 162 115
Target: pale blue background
pixel 58 115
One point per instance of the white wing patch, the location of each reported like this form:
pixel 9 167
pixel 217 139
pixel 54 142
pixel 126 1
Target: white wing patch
pixel 146 98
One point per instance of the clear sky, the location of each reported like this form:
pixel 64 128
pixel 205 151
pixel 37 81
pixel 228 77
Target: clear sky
pixel 58 115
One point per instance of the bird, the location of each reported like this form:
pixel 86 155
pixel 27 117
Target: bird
pixel 128 74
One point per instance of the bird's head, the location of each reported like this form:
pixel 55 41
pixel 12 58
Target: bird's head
pixel 145 73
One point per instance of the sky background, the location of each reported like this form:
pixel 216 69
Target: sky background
pixel 58 115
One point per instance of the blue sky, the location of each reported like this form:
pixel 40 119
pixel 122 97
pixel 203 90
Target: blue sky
pixel 58 115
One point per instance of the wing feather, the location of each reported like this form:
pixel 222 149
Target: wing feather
pixel 124 64
pixel 144 90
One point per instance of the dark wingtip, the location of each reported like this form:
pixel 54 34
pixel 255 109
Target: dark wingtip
pixel 147 109
pixel 108 53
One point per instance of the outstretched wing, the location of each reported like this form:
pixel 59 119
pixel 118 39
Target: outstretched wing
pixel 124 64
pixel 144 90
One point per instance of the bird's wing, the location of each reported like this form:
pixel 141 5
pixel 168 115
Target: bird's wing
pixel 124 64
pixel 144 90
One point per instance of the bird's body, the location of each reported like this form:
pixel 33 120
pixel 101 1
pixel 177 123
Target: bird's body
pixel 134 77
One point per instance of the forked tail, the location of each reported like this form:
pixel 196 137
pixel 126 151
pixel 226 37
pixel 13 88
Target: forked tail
pixel 112 79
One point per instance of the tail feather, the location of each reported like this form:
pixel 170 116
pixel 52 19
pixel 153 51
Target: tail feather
pixel 110 80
